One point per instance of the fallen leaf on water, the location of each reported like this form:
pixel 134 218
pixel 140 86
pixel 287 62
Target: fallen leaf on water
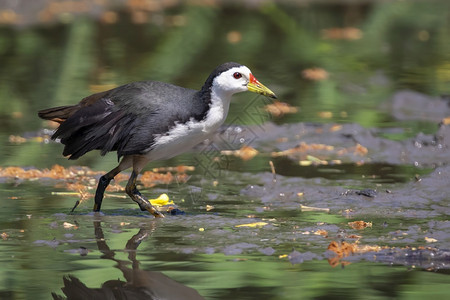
pixel 346 33
pixel 315 74
pixel 430 240
pixel 278 109
pixel 360 150
pixel 68 225
pixel 325 114
pixel 15 139
pixel 321 232
pixel 209 207
pixel 310 208
pixel 162 200
pixel 353 236
pixel 253 225
pixel 446 121
pixel 178 169
pixel 245 153
pixel 303 148
pixel 234 37
pixel 335 128
pixel 150 179
pixel 359 224
pixel 342 249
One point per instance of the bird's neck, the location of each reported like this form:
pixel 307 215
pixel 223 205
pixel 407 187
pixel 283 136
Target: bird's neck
pixel 219 104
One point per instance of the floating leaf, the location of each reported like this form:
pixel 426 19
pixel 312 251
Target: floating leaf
pixel 253 225
pixel 68 225
pixel 430 240
pixel 321 232
pixel 162 200
pixel 278 108
pixel 346 33
pixel 315 74
pixel 245 153
pixel 359 224
pixel 310 208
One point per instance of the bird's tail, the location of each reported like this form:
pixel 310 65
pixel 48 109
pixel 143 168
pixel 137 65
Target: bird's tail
pixel 58 114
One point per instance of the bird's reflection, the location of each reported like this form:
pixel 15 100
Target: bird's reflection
pixel 140 284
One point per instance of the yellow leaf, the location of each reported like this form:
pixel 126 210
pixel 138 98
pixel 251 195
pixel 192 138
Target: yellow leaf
pixel 311 208
pixel 253 225
pixel 162 200
pixel 430 240
pixel 68 225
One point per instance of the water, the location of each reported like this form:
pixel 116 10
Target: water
pixel 246 233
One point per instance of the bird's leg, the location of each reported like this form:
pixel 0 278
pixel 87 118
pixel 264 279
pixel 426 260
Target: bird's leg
pixel 137 197
pixel 104 181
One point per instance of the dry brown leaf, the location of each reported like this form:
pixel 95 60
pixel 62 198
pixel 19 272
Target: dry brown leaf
pixel 335 128
pixel 321 232
pixel 347 33
pixel 15 139
pixel 109 17
pixel 360 150
pixel 245 153
pixel 430 240
pixel 342 249
pixel 359 224
pixel 315 74
pixel 325 114
pixel 150 179
pixel 178 169
pixel 303 148
pixel 234 37
pixel 278 108
pixel 446 121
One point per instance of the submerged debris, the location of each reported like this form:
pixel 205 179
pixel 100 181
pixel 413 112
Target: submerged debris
pixel 82 180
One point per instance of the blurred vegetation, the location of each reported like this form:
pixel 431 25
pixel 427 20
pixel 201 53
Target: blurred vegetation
pixel 342 58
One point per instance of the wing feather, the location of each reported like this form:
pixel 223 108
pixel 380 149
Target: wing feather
pixel 126 119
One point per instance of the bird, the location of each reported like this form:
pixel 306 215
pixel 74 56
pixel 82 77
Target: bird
pixel 146 121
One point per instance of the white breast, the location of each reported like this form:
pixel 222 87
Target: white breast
pixel 183 137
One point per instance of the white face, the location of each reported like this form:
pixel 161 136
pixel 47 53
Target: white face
pixel 233 81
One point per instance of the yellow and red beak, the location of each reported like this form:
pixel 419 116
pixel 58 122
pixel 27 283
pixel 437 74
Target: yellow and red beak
pixel 257 87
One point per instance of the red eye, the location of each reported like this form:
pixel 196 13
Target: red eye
pixel 237 75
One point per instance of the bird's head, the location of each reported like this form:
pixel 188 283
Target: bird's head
pixel 232 78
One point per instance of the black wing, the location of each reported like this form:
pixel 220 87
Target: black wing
pixel 126 119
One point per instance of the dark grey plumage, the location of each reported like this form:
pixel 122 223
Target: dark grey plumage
pixel 127 118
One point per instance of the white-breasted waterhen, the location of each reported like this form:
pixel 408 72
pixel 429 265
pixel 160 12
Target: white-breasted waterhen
pixel 148 120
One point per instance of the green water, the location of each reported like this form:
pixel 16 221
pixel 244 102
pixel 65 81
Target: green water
pixel 400 46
